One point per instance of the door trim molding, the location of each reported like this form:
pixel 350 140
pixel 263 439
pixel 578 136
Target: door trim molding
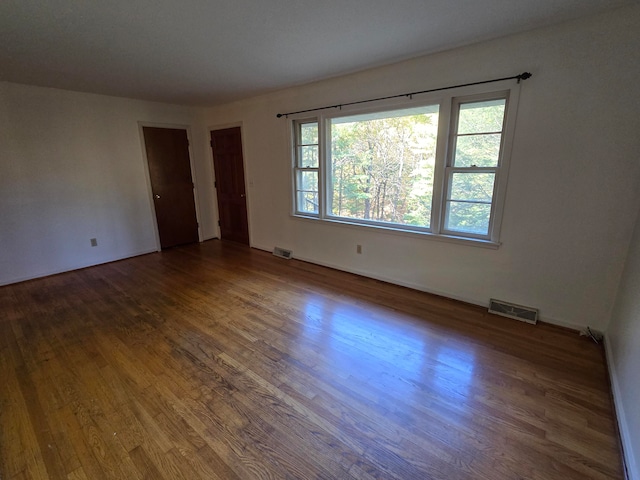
pixel 145 165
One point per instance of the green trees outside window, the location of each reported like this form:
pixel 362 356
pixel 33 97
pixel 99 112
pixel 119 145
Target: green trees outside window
pixel 382 169
pixel 406 168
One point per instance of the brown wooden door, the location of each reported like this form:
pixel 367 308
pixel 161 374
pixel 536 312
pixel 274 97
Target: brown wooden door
pixel 232 200
pixel 172 185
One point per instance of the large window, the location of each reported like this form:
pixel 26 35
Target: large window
pixel 382 166
pixel 438 168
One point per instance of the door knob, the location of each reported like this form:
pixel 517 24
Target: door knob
pixel 242 195
pixel 157 196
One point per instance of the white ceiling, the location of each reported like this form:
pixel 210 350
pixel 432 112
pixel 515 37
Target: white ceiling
pixel 208 52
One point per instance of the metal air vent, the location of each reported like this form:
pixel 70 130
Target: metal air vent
pixel 282 253
pixel 511 310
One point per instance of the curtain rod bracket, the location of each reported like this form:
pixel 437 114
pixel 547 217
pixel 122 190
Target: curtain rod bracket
pixel 524 76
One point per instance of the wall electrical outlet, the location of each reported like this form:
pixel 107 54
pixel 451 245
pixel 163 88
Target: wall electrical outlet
pixel 94 242
pixel 358 249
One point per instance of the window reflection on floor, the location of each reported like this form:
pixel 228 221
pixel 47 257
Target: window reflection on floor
pixel 454 372
pixel 376 350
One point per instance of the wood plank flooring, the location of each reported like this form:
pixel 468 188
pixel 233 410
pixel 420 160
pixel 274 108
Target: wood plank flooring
pixel 215 361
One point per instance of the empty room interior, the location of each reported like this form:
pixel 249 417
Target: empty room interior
pixel 320 240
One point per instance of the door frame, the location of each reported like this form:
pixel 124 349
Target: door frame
pixel 247 183
pixel 147 175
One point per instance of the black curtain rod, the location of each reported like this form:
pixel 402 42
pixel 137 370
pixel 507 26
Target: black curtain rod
pixel 522 76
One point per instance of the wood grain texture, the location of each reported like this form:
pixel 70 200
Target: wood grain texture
pixel 216 361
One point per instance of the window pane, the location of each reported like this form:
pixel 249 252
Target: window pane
pixel 468 217
pixel 478 150
pixel 308 180
pixel 472 186
pixel 308 156
pixel 308 202
pixel 382 166
pixel 307 194
pixel 309 133
pixel 481 117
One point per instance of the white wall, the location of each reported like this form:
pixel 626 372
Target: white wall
pixel 72 168
pixel 623 354
pixel 573 184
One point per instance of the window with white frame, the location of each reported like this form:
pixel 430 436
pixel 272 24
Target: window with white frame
pixel 438 167
pixel 306 167
pixel 472 165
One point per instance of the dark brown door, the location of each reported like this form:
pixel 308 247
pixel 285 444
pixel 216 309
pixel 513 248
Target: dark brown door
pixel 172 185
pixel 232 200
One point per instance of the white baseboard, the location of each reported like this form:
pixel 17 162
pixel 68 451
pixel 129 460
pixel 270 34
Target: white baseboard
pixel 48 273
pixel 74 267
pixel 631 469
pixel 421 288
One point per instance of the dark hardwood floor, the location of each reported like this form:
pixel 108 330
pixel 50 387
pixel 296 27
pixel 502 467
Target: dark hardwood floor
pixel 215 361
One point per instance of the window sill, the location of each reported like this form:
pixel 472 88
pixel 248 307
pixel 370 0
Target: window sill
pixel 474 242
